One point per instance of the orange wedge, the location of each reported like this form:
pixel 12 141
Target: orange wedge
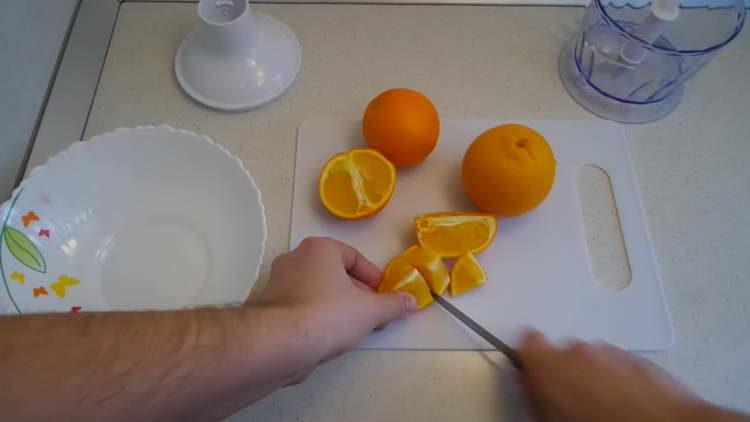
pixel 451 234
pixel 401 276
pixel 431 266
pixel 356 184
pixel 466 274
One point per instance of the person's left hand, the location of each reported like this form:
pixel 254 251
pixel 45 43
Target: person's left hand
pixel 331 289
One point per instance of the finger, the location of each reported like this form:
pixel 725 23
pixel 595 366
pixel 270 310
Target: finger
pixel 614 356
pixel 537 355
pixel 534 403
pixel 296 379
pixel 362 286
pixel 615 352
pixel 536 406
pixel 387 307
pixel 581 349
pixel 358 266
pixel 534 344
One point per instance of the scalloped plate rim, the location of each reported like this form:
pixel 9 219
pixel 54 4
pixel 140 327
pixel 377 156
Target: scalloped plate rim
pixel 41 169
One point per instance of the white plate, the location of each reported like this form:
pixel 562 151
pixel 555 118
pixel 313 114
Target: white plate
pixel 144 218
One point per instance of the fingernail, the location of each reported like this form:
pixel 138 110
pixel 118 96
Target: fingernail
pixel 410 302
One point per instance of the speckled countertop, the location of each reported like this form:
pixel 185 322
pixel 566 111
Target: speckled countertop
pixel 480 61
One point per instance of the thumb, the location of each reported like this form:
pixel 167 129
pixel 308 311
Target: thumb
pixel 387 307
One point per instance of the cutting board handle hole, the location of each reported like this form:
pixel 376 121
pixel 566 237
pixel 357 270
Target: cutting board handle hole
pixel 606 246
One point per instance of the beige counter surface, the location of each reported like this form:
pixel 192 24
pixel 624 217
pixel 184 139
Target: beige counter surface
pixel 479 61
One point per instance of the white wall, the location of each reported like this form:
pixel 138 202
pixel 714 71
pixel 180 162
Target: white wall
pixel 31 36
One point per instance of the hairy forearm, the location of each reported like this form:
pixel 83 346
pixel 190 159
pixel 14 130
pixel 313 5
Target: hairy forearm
pixel 144 365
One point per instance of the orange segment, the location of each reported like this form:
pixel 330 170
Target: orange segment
pixel 431 266
pixel 450 234
pixel 401 276
pixel 356 184
pixel 466 274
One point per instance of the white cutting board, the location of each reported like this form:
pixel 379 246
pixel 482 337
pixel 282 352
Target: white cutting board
pixel 538 267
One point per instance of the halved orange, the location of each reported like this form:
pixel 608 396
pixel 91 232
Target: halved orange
pixel 356 184
pixel 451 234
pixel 431 266
pixel 466 274
pixel 401 276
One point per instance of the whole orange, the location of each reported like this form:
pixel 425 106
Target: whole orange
pixel 508 170
pixel 403 125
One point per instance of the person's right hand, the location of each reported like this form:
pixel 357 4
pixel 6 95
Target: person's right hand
pixel 599 382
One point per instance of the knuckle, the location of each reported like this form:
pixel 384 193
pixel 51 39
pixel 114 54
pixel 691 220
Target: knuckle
pixel 280 259
pixel 580 350
pixel 642 364
pixel 299 379
pixel 607 348
pixel 534 345
pixel 532 339
pixel 313 243
pixel 276 262
pixel 307 243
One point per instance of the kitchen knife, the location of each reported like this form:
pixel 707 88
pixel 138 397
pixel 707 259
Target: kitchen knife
pixel 508 351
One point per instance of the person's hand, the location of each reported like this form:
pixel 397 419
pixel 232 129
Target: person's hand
pixel 331 289
pixel 599 382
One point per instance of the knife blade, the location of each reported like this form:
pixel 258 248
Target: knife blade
pixel 498 344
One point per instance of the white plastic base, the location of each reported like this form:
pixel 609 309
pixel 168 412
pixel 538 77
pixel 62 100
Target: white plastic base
pixel 239 71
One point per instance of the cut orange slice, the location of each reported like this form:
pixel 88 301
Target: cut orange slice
pixel 451 234
pixel 401 276
pixel 356 184
pixel 466 274
pixel 431 266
